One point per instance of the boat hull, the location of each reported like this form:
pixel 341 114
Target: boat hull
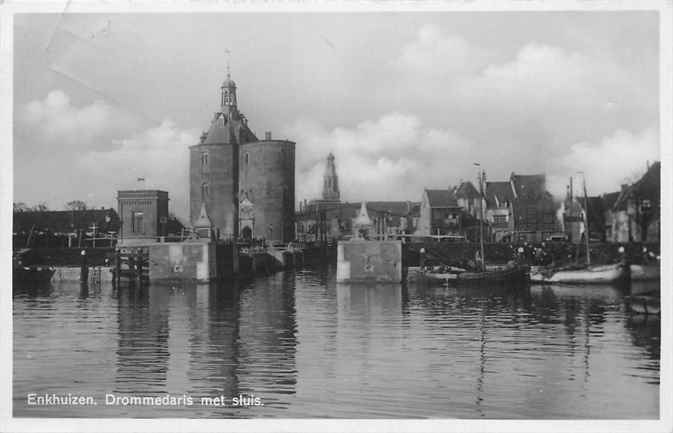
pixel 645 272
pixel 508 275
pixel 32 274
pixel 604 274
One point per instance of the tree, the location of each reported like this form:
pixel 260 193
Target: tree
pixel 76 205
pixel 21 207
pixel 40 207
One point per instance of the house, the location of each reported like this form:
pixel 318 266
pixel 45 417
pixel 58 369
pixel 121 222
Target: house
pixel 635 215
pixel 534 209
pixel 574 218
pixel 468 198
pixel 390 217
pixel 440 213
pixel 499 210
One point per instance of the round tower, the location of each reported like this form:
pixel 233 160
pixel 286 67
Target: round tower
pixel 267 189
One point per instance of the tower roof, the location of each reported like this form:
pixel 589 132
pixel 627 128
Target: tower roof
pixel 363 217
pixel 228 82
pixel 219 131
pixel 204 219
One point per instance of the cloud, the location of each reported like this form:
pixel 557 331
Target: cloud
pixel 434 53
pixel 159 154
pixel 618 158
pixel 390 158
pixel 89 152
pixel 55 124
pixel 564 95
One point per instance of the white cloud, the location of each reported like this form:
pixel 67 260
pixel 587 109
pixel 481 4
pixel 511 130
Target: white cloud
pixel 618 158
pixel 434 53
pixel 391 158
pixel 159 154
pixel 55 123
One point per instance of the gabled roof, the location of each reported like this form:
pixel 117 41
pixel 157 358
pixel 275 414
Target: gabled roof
pixel 610 198
pixel 441 198
pixel 647 187
pixel 529 186
pixel 500 190
pixel 466 190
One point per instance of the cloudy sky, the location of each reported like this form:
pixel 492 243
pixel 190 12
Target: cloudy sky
pixel 403 100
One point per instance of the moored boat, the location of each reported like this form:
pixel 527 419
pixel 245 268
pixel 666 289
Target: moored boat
pixel 32 274
pixel 645 272
pixel 506 274
pixel 25 270
pixel 601 274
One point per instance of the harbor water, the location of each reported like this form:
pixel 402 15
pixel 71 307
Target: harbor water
pixel 299 345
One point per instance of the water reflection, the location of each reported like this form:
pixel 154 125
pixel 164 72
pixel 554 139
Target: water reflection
pixel 310 347
pixel 142 352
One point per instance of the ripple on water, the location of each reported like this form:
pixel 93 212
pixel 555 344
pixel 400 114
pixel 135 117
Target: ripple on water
pixel 312 348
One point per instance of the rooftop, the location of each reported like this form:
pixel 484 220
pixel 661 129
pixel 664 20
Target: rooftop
pixel 441 198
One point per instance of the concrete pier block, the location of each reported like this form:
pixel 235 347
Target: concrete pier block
pixel 71 273
pixel 182 261
pixel 364 261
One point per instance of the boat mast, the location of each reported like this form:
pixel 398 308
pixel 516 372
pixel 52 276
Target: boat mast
pixel 481 219
pixel 586 219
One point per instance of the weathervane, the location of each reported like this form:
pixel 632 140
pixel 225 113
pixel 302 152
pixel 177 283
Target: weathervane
pixel 228 53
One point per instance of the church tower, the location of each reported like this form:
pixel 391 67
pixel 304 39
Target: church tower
pixel 330 187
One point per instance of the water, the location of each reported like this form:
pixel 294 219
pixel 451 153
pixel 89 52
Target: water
pixel 308 347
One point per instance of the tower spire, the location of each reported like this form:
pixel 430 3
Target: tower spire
pixel 228 97
pixel 330 189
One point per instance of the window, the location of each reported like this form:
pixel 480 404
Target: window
pixel 646 204
pixel 137 222
pixel 204 191
pixel 204 160
pixel 247 158
pixel 500 219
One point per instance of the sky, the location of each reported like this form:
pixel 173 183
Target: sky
pixel 405 101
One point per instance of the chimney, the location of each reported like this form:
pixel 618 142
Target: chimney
pixel 267 135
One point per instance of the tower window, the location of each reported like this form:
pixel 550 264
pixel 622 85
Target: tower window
pixel 247 158
pixel 204 160
pixel 137 222
pixel 204 191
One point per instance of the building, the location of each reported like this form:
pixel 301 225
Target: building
pixel 244 185
pixel 499 210
pixel 440 213
pixel 65 228
pixel 635 215
pixel 330 188
pixel 390 217
pixel 575 210
pixel 468 198
pixel 334 220
pixel 143 213
pixel 534 209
